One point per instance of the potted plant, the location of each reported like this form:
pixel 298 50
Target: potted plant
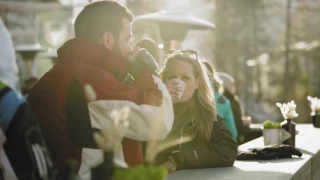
pixel 288 110
pixel 271 133
pixel 315 110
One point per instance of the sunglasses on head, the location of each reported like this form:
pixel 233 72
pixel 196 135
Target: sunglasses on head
pixel 190 53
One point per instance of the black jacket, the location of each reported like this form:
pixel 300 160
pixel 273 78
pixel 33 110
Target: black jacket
pixel 221 151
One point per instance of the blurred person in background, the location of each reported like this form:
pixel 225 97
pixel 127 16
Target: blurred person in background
pixel 223 104
pixel 24 145
pixel 152 47
pixel 195 115
pixel 10 102
pixel 8 65
pixel 20 131
pixel 242 122
pixel 97 72
pixel 28 85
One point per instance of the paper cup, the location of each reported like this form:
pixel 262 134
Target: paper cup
pixel 181 86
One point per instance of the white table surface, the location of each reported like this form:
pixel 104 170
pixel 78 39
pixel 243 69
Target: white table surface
pixel 307 141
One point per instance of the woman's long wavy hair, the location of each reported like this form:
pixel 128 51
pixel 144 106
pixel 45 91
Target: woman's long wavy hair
pixel 204 107
pixel 213 77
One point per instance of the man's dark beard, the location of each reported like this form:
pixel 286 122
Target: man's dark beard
pixel 117 50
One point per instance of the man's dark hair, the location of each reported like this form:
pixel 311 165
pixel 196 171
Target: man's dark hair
pixel 99 17
pixel 150 45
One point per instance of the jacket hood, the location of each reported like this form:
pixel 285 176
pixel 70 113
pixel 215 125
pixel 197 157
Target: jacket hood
pixel 79 50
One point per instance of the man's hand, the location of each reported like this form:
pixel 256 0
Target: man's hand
pixel 141 59
pixel 133 54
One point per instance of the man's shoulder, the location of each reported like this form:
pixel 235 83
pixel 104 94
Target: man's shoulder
pixel 63 73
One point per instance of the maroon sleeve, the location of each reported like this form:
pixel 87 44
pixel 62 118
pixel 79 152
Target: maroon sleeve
pixel 143 90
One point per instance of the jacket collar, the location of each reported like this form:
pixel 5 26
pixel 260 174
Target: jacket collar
pixel 80 50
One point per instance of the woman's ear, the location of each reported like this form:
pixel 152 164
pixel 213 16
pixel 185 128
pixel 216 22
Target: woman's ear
pixel 108 40
pixel 198 82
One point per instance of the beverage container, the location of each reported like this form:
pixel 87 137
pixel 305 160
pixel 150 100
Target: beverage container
pixel 181 85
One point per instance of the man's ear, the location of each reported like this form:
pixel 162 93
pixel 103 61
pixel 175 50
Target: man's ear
pixel 108 40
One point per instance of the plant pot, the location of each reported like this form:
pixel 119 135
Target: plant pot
pixel 105 170
pixel 271 136
pixel 316 120
pixel 274 136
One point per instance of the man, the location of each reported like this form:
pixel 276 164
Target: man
pixel 100 57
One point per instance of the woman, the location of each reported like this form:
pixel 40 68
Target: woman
pixel 195 115
pixel 222 103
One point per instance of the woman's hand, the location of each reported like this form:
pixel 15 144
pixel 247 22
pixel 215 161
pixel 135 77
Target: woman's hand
pixel 175 88
pixel 170 166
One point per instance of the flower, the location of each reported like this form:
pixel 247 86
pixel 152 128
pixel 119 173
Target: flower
pixel 314 104
pixel 288 110
pixel 112 132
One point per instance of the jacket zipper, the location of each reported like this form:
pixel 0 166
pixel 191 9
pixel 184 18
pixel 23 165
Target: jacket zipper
pixel 181 132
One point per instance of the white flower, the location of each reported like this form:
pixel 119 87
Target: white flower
pixel 314 104
pixel 288 110
pixel 112 132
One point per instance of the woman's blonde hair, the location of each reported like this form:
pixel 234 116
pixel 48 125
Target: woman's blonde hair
pixel 204 107
pixel 213 77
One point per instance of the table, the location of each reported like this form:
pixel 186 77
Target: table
pixel 305 168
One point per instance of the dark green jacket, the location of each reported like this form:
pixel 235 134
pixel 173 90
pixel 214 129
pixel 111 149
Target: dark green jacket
pixel 220 152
